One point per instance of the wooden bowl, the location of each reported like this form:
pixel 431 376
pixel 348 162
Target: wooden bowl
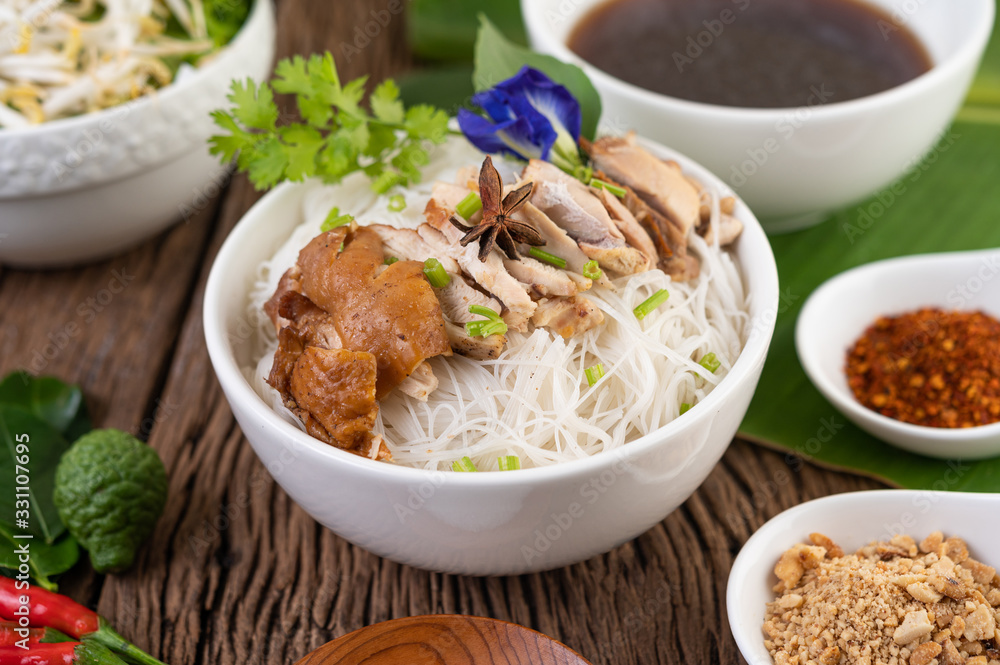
pixel 443 640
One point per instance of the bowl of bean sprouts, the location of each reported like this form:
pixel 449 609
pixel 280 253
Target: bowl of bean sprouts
pixel 105 113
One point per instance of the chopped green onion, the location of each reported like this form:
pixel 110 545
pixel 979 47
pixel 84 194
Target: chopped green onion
pixel 710 362
pixel 470 205
pixel 509 463
pixel 685 407
pixel 651 303
pixel 592 270
pixel 335 219
pixel 389 261
pixel 485 328
pixel 436 273
pixel 397 203
pixel 614 189
pixel 493 325
pixel 464 465
pixel 583 173
pixel 484 311
pixel 594 374
pixel 542 255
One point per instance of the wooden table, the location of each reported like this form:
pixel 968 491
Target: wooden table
pixel 238 574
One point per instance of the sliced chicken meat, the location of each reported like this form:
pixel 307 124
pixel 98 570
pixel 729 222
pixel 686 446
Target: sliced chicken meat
pixel 544 279
pixel 490 274
pixel 407 245
pixel 659 184
pixel 572 206
pixel 567 316
pixel 477 348
pixel 670 242
pixel 629 226
pixel 729 229
pixel 595 238
pixel 420 383
pixel 558 242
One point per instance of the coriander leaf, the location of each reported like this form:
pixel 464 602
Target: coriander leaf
pixel 254 107
pixel 385 102
pixel 292 78
pixel 337 135
pixel 498 59
pixel 326 82
pixel 44 561
pixel 411 158
pixel 428 122
pixel 381 138
pixel 45 445
pixel 228 146
pixel 268 163
pixel 302 143
pixel 336 160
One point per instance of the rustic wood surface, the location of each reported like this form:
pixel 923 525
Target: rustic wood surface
pixel 238 574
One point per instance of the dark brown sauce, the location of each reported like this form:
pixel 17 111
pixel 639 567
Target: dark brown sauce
pixel 752 53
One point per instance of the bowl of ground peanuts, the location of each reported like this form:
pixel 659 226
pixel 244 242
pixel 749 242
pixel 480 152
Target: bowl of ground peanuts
pixel 889 576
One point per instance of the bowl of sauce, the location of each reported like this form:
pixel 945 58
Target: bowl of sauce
pixel 803 106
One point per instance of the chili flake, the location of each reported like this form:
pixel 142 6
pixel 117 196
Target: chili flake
pixel 930 367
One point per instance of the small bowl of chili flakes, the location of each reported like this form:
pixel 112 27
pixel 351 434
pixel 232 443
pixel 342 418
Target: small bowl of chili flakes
pixel 909 350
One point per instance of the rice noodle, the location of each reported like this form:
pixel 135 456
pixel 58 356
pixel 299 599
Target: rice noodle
pixel 534 401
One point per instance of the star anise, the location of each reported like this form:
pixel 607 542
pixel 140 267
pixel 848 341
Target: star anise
pixel 497 227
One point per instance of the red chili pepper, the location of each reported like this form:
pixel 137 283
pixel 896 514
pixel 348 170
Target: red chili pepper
pixel 47 609
pixel 65 653
pixel 53 610
pixel 11 633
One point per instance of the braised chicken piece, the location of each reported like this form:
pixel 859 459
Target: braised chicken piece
pixel 351 330
pixel 391 312
pixel 455 298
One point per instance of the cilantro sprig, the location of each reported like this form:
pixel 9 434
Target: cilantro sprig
pixel 335 136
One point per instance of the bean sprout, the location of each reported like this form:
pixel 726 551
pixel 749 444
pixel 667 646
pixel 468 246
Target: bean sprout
pixel 60 58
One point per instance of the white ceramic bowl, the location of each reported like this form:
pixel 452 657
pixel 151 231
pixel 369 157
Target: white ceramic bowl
pixel 840 310
pixel 793 165
pixel 481 523
pixel 852 520
pixel 89 186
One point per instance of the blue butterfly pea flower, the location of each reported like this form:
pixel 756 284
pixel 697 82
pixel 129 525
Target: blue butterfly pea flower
pixel 529 117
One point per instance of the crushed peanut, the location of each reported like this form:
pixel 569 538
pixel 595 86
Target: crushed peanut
pixel 890 603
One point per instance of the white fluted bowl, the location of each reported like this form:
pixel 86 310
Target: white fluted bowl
pixel 481 523
pixel 87 187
